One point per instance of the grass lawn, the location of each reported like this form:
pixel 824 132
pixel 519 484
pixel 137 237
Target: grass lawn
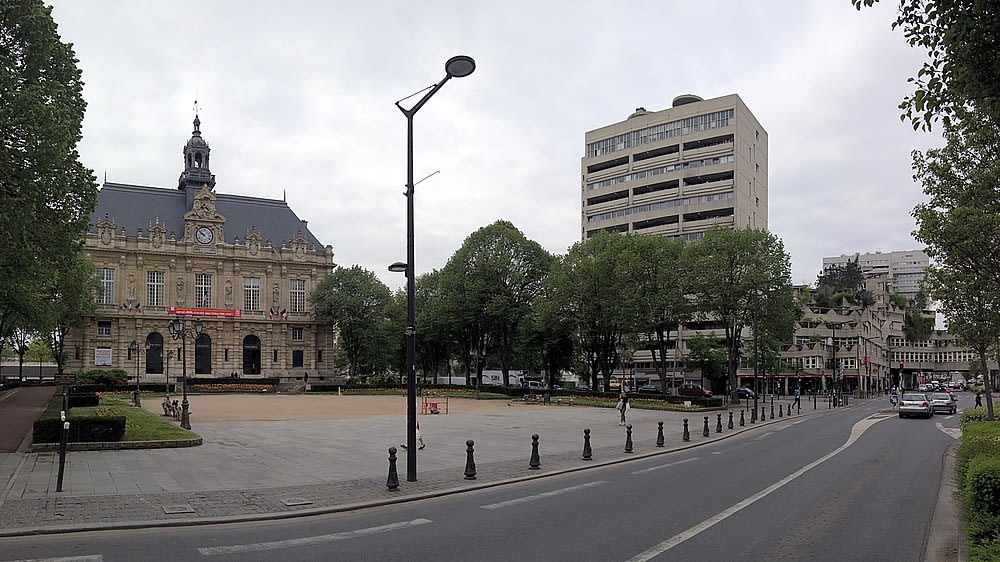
pixel 140 425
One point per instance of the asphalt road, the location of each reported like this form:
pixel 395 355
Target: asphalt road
pixel 848 484
pixel 19 412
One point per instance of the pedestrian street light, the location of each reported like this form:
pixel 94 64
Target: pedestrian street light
pixel 179 331
pixel 456 67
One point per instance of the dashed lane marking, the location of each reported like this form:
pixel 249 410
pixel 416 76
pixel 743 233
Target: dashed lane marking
pixel 308 541
pixel 669 464
pixel 94 558
pixel 543 495
pixel 768 434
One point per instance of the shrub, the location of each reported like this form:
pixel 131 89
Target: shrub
pixel 82 400
pixel 81 429
pixel 972 415
pixel 978 438
pixel 107 377
pixel 981 487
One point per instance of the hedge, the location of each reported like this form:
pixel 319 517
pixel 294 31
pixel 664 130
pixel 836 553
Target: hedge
pixel 972 415
pixel 47 427
pixel 978 438
pixel 82 400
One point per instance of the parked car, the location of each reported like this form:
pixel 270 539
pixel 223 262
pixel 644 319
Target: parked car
pixel 691 389
pixel 915 404
pixel 649 389
pixel 744 392
pixel 944 402
pixel 924 387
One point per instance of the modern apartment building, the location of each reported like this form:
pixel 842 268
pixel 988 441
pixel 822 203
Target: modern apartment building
pixel 905 267
pixel 676 172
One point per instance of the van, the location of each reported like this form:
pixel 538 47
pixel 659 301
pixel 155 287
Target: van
pixel 536 385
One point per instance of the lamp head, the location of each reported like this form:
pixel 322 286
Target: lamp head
pixel 176 325
pixel 398 267
pixel 460 66
pixel 134 345
pixel 198 326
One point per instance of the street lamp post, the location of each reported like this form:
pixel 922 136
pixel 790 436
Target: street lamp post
pixel 180 332
pixel 134 348
pixel 456 67
pixel 169 355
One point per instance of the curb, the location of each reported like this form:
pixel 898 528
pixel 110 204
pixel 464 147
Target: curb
pixel 115 445
pixel 945 539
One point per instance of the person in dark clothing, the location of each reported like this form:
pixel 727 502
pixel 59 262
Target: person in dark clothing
pixel 622 405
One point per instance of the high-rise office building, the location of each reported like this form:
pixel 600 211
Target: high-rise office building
pixel 678 171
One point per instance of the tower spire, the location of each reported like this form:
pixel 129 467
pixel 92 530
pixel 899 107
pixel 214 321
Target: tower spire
pixel 196 159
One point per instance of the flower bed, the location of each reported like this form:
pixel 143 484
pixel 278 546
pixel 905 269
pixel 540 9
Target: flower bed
pixel 236 387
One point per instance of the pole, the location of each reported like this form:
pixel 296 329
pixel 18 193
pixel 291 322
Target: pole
pixel 411 321
pixel 185 413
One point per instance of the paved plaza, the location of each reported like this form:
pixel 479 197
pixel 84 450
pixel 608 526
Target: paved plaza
pixel 266 455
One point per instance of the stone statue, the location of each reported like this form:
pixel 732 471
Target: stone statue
pixel 229 292
pixel 131 286
pixel 274 294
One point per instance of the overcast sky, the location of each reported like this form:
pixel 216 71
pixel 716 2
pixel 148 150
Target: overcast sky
pixel 297 97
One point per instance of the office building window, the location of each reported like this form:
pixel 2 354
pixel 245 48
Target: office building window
pixel 104 327
pixel 107 276
pixel 297 333
pixel 155 281
pixel 319 355
pixel 297 300
pixel 251 293
pixel 297 358
pixel 203 290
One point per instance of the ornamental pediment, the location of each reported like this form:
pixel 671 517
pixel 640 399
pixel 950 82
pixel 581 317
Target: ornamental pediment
pixel 203 208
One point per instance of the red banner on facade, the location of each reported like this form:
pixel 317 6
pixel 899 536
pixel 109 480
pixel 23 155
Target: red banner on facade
pixel 209 312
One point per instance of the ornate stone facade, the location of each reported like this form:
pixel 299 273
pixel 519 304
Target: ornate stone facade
pixel 243 265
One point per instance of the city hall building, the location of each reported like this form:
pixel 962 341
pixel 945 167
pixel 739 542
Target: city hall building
pixel 244 266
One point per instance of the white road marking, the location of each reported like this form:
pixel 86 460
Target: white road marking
pixel 856 432
pixel 543 495
pixel 952 432
pixel 306 541
pixel 669 464
pixel 769 433
pixel 797 422
pixel 94 558
pixel 717 453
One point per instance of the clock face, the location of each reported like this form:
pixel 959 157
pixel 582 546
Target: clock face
pixel 204 235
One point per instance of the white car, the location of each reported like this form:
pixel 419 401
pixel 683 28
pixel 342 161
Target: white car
pixel 915 404
pixel 944 402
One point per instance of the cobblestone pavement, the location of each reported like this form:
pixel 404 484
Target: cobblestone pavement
pixel 267 470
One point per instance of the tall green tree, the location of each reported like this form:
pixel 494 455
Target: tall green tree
pixel 72 295
pixel 735 276
pixel 708 356
pixel 357 302
pixel 46 194
pixel 972 305
pixel 662 292
pixel 491 282
pixel 961 38
pixel 960 222
pixel 594 286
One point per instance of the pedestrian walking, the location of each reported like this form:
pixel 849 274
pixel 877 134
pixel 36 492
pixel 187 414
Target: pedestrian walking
pixel 894 398
pixel 420 438
pixel 798 397
pixel 979 399
pixel 622 406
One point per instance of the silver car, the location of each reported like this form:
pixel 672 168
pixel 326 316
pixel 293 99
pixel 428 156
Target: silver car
pixel 915 404
pixel 944 402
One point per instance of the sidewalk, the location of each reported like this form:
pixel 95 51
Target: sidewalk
pixel 265 470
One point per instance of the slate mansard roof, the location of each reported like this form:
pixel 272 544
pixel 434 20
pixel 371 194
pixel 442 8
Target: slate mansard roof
pixel 137 207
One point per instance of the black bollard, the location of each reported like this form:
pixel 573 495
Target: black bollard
pixel 730 424
pixel 763 414
pixel 789 409
pixel 470 463
pixel 772 409
pixel 743 422
pixel 718 423
pixel 63 438
pixel 781 411
pixel 392 483
pixel 814 401
pixel 587 453
pixel 535 461
pixel 659 434
pixel 753 415
pixel 705 432
pixel 628 438
pixel 798 407
pixel 687 435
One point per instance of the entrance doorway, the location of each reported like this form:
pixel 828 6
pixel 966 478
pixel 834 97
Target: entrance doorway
pixel 251 355
pixel 203 355
pixel 154 356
